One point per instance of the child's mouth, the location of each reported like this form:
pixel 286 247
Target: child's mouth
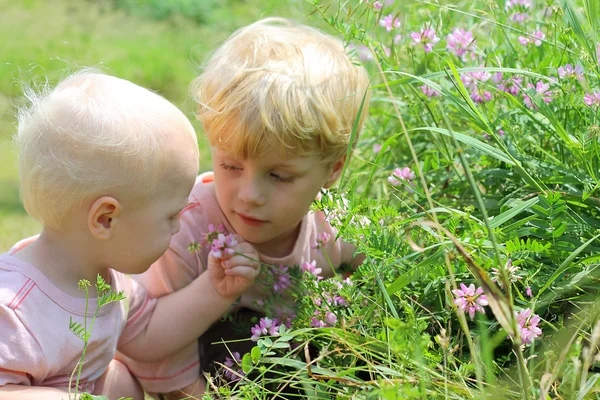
pixel 250 220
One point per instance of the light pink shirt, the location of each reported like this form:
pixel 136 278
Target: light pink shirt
pixel 36 346
pixel 178 267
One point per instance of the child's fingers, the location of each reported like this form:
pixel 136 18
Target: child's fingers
pixel 242 260
pixel 242 271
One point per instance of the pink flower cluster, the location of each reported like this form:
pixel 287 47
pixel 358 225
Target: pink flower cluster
pixel 329 320
pixel 426 37
pixel 234 372
pixel 389 22
pixel 311 267
pixel 212 233
pixel 518 10
pixel 528 325
pixel 281 278
pixel 322 239
pixel 472 80
pixel 404 174
pixel 267 326
pixel 511 85
pixel 542 89
pixel 461 43
pixel 470 300
pixel 592 99
pixel 534 38
pixel 428 91
pixel 568 72
pixel 223 246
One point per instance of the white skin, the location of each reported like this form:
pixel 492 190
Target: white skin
pixel 128 234
pixel 273 191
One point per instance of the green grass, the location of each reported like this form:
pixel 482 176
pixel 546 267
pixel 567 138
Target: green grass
pixel 50 38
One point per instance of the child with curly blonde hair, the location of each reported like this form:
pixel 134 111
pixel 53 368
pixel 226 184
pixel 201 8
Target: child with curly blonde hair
pixel 106 166
pixel 279 102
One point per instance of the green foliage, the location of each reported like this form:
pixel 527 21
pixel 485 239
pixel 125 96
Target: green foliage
pixel 105 295
pixel 504 195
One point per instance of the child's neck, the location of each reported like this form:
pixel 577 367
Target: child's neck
pixel 281 246
pixel 64 260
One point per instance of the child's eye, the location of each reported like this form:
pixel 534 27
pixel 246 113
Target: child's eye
pixel 282 179
pixel 229 167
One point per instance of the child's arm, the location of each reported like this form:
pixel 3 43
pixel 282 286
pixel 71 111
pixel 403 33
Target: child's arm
pixel 20 392
pixel 181 317
pixel 348 254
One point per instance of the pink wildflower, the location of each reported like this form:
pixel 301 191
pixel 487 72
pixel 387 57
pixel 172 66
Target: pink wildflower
pixel 511 271
pixel 470 300
pixel 234 372
pixel 535 38
pixel 265 326
pixel 311 267
pixel 542 89
pixel 426 37
pixel 528 324
pixel 472 80
pixel 428 91
pixel 330 320
pixel 389 22
pixel 377 148
pixel 528 291
pixel 212 233
pixel 223 246
pixel 377 5
pixel 568 72
pixel 461 43
pixel 592 99
pixel 281 278
pixel 511 85
pixel 322 239
pixel 518 10
pixel 405 174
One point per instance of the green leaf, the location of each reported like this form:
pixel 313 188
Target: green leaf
pixel 498 220
pixel 255 353
pixel 472 142
pixel 566 264
pixel 247 363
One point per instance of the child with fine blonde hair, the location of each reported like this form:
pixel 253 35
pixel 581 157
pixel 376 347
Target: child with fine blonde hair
pixel 106 166
pixel 278 102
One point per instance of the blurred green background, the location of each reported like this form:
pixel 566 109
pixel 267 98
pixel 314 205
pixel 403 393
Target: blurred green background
pixel 159 44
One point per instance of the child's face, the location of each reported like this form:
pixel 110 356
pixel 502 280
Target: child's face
pixel 144 231
pixel 265 199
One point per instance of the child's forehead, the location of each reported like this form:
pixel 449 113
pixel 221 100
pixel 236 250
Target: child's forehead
pixel 268 157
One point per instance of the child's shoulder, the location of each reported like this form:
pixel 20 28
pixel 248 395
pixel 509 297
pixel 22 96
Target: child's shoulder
pixel 203 194
pixel 15 280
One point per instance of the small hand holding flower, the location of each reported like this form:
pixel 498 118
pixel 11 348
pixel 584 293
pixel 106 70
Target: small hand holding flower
pixel 233 265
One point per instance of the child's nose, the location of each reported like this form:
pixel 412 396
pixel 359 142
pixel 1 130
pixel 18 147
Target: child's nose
pixel 251 192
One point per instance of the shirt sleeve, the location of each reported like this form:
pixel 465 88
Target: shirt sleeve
pixel 21 358
pixel 138 307
pixel 338 251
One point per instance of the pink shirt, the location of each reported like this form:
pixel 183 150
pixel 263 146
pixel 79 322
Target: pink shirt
pixel 178 267
pixel 36 346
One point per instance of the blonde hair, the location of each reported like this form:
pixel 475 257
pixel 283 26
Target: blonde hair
pixel 279 85
pixel 93 134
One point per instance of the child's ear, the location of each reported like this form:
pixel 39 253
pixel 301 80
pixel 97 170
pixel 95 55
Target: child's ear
pixel 103 217
pixel 335 173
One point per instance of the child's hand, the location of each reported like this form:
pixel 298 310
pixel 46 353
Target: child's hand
pixel 233 271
